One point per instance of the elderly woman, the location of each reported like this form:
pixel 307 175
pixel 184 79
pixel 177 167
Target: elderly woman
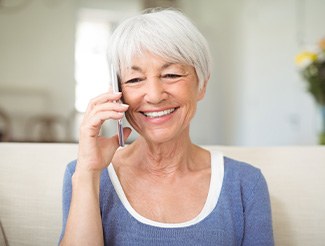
pixel 161 189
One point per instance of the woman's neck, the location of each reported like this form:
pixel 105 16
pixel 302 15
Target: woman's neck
pixel 164 159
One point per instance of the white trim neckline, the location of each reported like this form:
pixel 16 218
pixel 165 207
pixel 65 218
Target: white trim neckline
pixel 216 180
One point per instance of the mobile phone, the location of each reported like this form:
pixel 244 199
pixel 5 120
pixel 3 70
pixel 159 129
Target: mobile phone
pixel 115 88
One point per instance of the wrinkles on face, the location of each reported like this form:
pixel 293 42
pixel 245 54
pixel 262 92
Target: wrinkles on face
pixel 162 97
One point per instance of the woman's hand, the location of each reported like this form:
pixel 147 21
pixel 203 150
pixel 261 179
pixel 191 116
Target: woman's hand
pixel 96 152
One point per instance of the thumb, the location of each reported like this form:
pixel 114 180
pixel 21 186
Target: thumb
pixel 110 145
pixel 114 141
pixel 126 133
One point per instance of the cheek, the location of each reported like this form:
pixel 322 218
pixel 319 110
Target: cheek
pixel 131 98
pixel 187 96
pixel 128 96
pixel 130 117
pixel 192 100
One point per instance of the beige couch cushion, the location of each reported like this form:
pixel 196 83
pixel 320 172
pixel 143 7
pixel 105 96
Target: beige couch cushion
pixel 296 180
pixel 3 241
pixel 30 191
pixel 31 180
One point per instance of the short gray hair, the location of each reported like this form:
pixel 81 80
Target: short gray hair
pixel 166 33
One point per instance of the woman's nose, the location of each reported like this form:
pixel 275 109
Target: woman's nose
pixel 155 91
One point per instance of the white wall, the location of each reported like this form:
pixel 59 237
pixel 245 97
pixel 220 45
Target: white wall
pixel 254 97
pixel 37 60
pixel 215 122
pixel 275 108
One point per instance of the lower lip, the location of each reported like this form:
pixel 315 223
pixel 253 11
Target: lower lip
pixel 160 120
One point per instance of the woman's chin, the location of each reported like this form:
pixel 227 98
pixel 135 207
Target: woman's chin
pixel 161 136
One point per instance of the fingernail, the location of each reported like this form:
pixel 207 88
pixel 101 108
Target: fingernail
pixel 125 105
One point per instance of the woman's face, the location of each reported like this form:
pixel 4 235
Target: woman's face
pixel 162 97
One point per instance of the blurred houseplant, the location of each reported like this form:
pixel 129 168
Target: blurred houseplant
pixel 312 68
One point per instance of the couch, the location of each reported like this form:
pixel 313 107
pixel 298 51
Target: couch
pixel 31 181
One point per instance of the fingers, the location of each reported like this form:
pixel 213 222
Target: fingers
pixel 101 108
pixel 96 152
pixel 106 103
pixel 104 98
pixel 109 106
pixel 104 112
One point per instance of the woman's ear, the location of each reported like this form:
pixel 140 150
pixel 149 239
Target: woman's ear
pixel 202 90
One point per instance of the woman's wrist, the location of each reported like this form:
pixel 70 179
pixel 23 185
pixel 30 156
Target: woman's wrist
pixel 83 177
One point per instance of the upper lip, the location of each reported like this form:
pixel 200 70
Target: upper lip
pixel 157 110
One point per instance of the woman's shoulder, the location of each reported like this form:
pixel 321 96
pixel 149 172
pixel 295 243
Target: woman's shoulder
pixel 243 176
pixel 240 168
pixel 71 167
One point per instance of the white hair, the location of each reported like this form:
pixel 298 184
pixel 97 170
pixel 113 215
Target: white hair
pixel 168 34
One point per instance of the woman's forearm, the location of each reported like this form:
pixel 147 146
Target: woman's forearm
pixel 84 226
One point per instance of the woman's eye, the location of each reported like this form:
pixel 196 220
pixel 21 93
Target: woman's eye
pixel 134 80
pixel 171 76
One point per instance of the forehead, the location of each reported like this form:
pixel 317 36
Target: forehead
pixel 148 60
pixel 140 55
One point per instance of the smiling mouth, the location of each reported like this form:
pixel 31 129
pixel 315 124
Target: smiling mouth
pixel 158 114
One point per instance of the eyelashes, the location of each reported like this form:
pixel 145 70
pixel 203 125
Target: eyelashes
pixel 172 76
pixel 169 76
pixel 134 80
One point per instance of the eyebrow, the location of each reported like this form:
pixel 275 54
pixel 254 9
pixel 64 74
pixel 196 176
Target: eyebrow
pixel 166 65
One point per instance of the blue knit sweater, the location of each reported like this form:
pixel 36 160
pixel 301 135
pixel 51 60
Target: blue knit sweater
pixel 242 215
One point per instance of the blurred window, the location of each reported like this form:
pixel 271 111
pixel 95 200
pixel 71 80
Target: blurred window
pixel 91 68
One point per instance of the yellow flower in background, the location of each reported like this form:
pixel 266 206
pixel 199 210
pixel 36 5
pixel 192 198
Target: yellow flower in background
pixel 311 66
pixel 305 58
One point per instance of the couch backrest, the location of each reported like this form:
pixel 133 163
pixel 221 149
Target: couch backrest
pixel 30 191
pixel 296 181
pixel 31 181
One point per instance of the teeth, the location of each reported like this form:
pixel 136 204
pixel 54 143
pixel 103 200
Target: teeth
pixel 159 114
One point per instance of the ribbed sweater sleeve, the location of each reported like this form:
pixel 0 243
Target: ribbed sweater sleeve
pixel 257 215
